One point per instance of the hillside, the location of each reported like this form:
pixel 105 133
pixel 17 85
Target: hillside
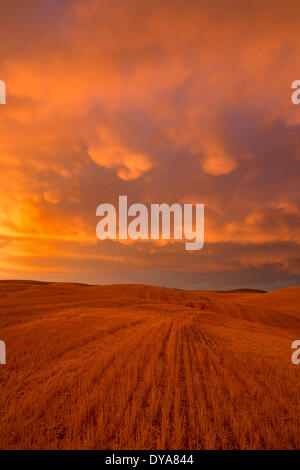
pixel 142 367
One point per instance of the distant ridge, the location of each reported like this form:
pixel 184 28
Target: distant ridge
pixel 33 282
pixel 241 291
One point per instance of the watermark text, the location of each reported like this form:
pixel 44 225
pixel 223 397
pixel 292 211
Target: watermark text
pixel 187 222
pixel 296 94
pixel 2 352
pixel 2 92
pixel 296 354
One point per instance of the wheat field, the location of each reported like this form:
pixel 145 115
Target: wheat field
pixel 140 367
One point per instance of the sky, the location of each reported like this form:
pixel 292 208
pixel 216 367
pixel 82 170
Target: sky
pixel 162 101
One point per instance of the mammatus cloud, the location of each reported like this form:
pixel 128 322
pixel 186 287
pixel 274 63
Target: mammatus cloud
pixel 128 165
pixel 216 161
pixel 165 102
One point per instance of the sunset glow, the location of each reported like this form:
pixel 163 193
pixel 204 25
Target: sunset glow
pixel 166 102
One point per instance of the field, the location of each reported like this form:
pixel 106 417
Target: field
pixel 140 367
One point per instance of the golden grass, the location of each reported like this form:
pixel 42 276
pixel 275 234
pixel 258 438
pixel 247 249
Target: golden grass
pixel 136 367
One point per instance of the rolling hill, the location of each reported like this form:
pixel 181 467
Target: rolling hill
pixel 142 367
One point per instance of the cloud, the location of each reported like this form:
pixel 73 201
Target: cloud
pixel 128 163
pixel 216 162
pixel 165 102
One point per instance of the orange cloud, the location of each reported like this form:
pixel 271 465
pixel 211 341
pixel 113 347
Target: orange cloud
pixel 165 102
